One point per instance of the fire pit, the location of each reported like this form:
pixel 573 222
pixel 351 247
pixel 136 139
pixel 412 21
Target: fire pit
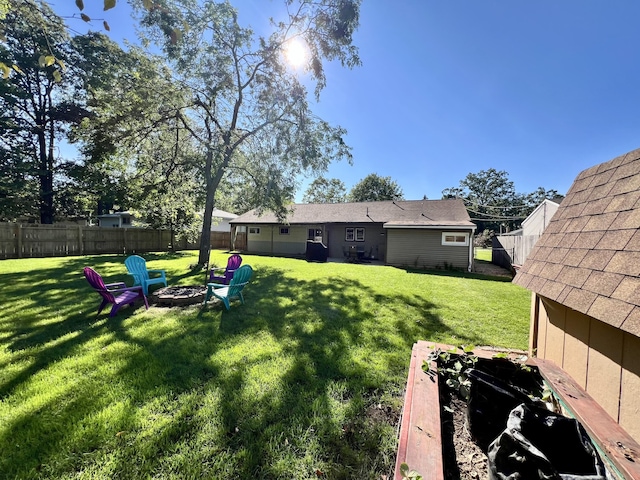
pixel 178 296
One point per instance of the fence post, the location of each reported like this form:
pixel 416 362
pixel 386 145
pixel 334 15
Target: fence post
pixel 80 243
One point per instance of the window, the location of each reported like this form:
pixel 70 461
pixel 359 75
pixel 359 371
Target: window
pixel 254 230
pixel 455 238
pixel 354 234
pixel 284 230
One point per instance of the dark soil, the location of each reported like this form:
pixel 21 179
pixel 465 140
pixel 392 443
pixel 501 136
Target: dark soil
pixel 463 459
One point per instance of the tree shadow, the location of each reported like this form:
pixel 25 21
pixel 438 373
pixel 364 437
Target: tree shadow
pixel 321 325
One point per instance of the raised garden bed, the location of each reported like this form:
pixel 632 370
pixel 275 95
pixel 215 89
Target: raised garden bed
pixel 421 434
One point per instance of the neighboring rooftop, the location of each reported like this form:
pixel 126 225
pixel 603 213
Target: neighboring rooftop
pixel 588 258
pixel 399 213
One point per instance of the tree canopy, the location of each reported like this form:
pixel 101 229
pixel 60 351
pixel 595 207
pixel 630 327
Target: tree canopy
pixel 246 111
pixel 374 188
pixel 325 190
pixel 492 201
pixel 37 105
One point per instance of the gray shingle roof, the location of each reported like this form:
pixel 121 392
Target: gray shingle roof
pixel 588 258
pixel 405 213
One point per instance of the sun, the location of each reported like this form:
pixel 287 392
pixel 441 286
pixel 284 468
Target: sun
pixel 296 52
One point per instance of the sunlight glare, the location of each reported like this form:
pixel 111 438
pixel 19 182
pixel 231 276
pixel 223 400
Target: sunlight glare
pixel 295 51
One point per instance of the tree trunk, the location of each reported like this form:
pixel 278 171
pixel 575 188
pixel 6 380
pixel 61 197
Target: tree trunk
pixel 45 178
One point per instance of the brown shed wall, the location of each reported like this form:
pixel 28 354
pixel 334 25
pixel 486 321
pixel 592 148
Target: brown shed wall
pixel 603 359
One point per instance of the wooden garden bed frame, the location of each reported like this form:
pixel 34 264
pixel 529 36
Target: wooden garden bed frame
pixel 420 441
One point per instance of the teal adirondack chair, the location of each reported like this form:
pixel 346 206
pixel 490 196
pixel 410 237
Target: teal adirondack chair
pixel 137 267
pixel 234 290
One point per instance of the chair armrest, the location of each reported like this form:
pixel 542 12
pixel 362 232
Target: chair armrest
pixel 116 284
pixel 216 285
pixel 126 289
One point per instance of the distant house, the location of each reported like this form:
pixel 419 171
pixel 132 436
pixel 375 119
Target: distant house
pixel 584 273
pixel 417 233
pixel 117 219
pixel 220 220
pixel 513 248
pixel 538 220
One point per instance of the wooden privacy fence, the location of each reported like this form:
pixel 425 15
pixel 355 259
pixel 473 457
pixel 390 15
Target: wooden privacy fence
pixel 37 240
pixel 508 250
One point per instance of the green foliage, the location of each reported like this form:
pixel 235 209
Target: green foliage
pixel 492 201
pixel 37 103
pixel 245 110
pixel 453 368
pixel 409 474
pixel 323 190
pixel 484 239
pixel 374 188
pixel 286 385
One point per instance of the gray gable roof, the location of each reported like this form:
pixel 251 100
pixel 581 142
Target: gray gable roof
pixel 400 214
pixel 588 258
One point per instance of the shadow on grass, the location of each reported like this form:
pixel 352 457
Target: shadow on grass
pixel 159 372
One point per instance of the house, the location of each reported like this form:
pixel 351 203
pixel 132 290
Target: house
pixel 117 219
pixel 417 233
pixel 538 220
pixel 513 248
pixel 220 220
pixel 584 273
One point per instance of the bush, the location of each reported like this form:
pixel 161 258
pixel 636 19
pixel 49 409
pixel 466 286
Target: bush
pixel 483 239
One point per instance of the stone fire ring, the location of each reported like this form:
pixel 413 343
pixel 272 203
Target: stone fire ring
pixel 178 296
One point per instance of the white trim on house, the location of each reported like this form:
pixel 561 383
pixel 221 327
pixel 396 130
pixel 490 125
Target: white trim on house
pixel 460 239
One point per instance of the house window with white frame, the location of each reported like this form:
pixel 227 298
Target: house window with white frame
pixel 459 239
pixel 254 230
pixel 284 230
pixel 353 234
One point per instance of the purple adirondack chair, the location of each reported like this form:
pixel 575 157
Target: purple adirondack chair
pixel 233 263
pixel 116 293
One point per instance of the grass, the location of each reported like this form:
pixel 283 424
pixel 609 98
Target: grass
pixel 303 381
pixel 483 254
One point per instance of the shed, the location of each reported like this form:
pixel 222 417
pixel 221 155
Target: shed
pixel 584 273
pixel 117 219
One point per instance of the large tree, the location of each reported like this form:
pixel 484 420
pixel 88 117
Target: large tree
pixel 492 202
pixel 136 153
pixel 246 110
pixel 325 190
pixel 374 188
pixel 36 102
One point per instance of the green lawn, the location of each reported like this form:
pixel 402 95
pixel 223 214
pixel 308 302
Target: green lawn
pixel 304 381
pixel 483 254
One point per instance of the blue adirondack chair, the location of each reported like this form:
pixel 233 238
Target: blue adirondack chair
pixel 234 290
pixel 116 293
pixel 137 268
pixel 233 263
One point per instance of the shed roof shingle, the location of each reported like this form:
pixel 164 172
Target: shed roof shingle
pixel 588 258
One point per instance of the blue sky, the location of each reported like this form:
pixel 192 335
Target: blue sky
pixel 540 89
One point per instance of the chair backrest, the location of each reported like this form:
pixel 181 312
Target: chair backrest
pixel 240 278
pixel 95 280
pixel 234 262
pixel 137 265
